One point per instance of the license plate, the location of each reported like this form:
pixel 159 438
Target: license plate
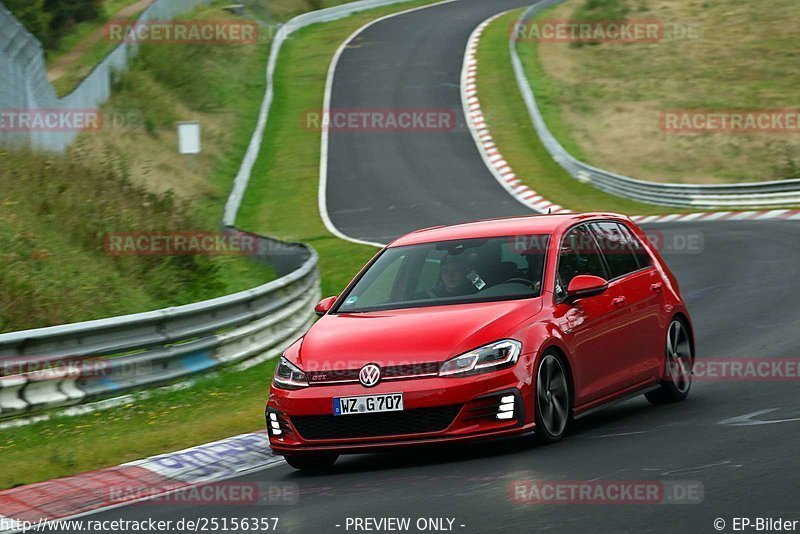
pixel 391 402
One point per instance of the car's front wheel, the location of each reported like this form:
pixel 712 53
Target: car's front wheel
pixel 678 361
pixel 552 399
pixel 315 462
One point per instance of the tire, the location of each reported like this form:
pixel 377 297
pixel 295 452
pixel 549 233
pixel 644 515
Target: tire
pixel 553 408
pixel 678 364
pixel 315 462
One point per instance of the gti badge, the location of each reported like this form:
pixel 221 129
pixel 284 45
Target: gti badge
pixel 369 375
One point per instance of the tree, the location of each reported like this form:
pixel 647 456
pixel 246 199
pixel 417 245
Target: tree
pixel 50 20
pixel 32 15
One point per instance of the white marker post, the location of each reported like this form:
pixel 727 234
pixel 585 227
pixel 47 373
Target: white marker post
pixel 189 140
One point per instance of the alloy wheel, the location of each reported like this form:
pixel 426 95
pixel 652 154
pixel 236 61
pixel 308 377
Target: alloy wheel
pixel 679 357
pixel 552 394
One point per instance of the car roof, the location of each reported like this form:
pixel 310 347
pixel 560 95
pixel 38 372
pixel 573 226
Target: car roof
pixel 507 226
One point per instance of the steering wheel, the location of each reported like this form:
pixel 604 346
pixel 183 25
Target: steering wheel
pixel 525 281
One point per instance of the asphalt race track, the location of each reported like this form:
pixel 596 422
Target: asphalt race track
pixel 385 184
pixel 741 284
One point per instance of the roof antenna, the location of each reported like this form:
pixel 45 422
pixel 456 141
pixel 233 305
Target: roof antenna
pixel 549 211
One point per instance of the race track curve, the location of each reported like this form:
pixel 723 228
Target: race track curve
pixel 741 286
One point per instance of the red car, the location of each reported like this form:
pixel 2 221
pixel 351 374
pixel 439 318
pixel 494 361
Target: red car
pixel 483 330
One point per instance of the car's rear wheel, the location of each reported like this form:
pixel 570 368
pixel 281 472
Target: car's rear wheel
pixel 315 462
pixel 678 361
pixel 553 403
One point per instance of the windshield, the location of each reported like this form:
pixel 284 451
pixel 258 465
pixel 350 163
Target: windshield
pixel 451 272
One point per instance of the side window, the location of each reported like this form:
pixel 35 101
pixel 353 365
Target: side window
pixel 616 248
pixel 642 257
pixel 578 255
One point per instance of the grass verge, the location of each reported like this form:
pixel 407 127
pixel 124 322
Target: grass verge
pixel 510 125
pixel 54 269
pixel 605 101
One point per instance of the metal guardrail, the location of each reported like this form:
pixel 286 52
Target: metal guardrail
pixel 775 194
pixel 74 363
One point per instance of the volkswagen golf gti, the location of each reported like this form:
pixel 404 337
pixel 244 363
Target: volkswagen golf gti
pixel 483 330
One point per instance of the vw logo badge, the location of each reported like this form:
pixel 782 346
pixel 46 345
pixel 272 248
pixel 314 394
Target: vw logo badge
pixel 369 375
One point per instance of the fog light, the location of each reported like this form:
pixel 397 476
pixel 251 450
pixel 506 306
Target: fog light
pixel 274 426
pixel 506 408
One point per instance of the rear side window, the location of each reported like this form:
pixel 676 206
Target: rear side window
pixel 578 255
pixel 642 257
pixel 615 243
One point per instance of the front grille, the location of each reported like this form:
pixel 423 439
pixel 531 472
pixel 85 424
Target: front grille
pixel 418 421
pixel 389 372
pixel 316 377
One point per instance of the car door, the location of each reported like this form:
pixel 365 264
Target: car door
pixel 596 326
pixel 648 301
pixel 632 277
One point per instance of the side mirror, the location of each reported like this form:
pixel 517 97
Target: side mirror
pixel 324 306
pixel 585 285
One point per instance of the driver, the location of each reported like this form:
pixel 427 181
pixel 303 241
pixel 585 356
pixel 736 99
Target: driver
pixel 453 279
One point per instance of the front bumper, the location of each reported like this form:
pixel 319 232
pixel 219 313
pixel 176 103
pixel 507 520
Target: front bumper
pixel 436 410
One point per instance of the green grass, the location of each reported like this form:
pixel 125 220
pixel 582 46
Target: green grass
pixel 79 69
pixel 56 209
pixel 510 125
pixel 604 101
pixel 281 201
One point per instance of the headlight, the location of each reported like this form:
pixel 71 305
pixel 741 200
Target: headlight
pixel 490 357
pixel 289 376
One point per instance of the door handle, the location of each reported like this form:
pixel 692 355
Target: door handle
pixel 656 287
pixel 618 301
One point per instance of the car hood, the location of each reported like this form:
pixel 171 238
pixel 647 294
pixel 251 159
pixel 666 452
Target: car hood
pixel 407 336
